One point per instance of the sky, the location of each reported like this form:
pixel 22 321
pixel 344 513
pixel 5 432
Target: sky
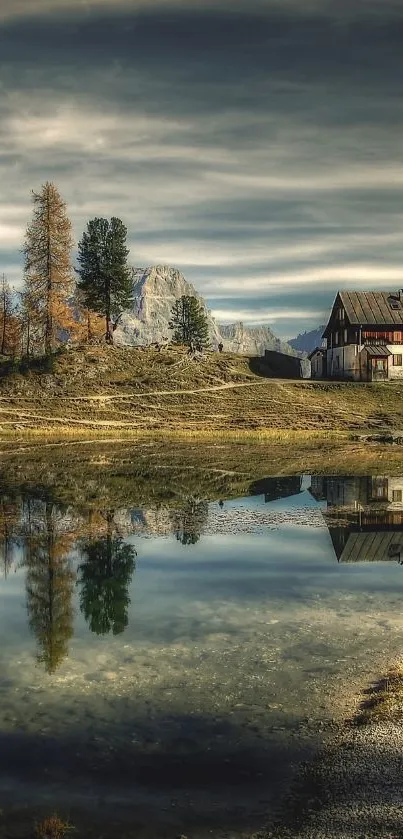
pixel 255 145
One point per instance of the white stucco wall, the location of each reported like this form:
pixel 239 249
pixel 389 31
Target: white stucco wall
pixel 348 362
pixel 395 372
pixel 317 366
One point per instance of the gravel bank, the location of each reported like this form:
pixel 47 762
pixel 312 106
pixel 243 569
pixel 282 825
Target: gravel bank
pixel 355 786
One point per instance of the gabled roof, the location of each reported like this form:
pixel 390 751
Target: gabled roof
pixel 320 350
pixel 377 351
pixel 373 307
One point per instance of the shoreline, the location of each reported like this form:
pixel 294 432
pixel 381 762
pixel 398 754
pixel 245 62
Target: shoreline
pixel 352 787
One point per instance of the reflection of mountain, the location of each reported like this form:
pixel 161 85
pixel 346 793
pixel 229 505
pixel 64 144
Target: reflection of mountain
pixel 364 516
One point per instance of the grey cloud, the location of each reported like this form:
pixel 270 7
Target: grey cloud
pixel 339 9
pixel 261 154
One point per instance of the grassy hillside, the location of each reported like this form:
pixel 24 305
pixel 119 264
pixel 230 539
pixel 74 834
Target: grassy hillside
pixel 119 391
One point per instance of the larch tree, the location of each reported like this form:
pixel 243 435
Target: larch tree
pixel 105 278
pixel 89 324
pixel 48 269
pixel 30 319
pixel 6 314
pixel 189 323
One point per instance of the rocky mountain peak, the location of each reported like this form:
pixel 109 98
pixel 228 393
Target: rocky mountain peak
pixel 155 290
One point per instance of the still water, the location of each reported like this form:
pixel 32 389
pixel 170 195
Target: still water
pixel 177 662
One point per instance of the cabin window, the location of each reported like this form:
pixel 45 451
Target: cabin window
pixel 397 360
pixel 341 314
pixel 397 337
pixel 345 336
pixel 397 495
pixel 336 338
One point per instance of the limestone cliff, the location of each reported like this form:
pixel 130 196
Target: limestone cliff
pixel 155 290
pixel 251 340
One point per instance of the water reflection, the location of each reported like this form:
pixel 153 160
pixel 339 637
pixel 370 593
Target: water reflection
pixel 104 577
pixel 190 521
pixel 159 647
pixel 65 551
pixel 364 516
pixel 49 580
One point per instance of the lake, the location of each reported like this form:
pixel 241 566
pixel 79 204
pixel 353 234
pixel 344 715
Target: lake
pixel 171 664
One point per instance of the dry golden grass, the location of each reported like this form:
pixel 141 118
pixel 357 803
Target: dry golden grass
pixel 123 393
pixel 383 701
pixel 52 827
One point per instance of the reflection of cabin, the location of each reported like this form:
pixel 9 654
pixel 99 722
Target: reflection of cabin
pixel 364 516
pixel 364 338
pixel 358 492
pixel 363 545
pixel 275 488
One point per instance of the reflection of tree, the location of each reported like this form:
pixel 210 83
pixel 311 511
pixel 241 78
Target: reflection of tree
pixel 49 581
pixel 105 578
pixel 9 520
pixel 190 521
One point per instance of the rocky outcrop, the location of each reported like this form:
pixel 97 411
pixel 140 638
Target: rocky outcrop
pixel 155 290
pixel 251 340
pixel 305 342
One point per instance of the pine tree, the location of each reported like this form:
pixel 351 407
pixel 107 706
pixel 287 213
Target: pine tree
pixel 189 323
pixel 105 277
pixel 48 269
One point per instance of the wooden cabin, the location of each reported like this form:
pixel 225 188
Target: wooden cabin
pixel 364 338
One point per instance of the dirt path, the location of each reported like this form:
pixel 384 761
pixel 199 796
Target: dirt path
pixel 211 388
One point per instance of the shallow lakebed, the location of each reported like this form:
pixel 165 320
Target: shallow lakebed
pixel 170 665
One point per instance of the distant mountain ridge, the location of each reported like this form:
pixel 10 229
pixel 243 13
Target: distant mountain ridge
pixel 305 342
pixel 155 290
pixel 252 340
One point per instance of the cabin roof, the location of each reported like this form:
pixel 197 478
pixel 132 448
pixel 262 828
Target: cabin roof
pixel 320 350
pixel 376 351
pixel 373 307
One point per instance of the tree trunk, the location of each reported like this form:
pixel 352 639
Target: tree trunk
pixel 3 337
pixel 28 335
pixel 109 333
pixel 49 290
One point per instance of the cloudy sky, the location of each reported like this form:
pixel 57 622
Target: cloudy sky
pixel 256 145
